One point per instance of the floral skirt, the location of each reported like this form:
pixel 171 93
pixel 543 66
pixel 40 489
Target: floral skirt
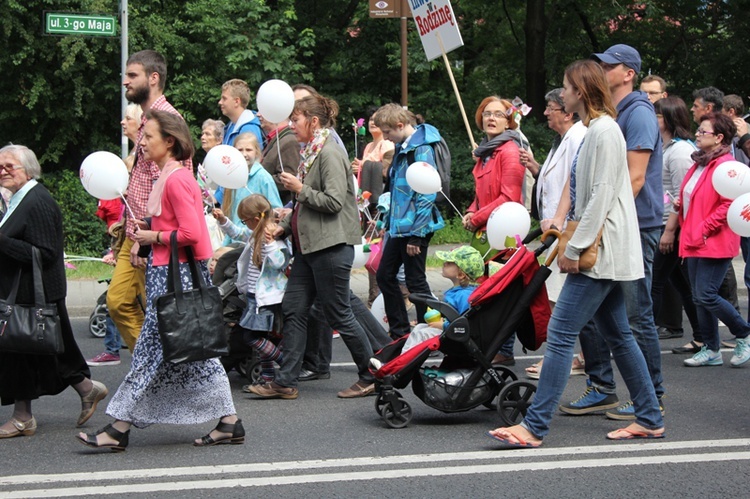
pixel 155 391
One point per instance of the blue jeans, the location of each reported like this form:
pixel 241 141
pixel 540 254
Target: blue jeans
pixel 581 300
pixel 112 340
pixel 641 318
pixel 324 275
pixel 745 247
pixel 706 276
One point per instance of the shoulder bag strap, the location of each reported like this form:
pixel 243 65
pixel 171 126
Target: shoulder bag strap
pixel 173 274
pixel 36 264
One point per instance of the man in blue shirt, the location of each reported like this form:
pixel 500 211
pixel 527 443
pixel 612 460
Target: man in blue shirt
pixel 235 97
pixel 637 120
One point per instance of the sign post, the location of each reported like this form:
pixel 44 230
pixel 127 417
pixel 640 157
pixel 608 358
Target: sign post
pixel 396 9
pixel 439 33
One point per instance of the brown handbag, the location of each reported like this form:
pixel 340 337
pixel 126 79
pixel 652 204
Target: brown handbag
pixel 587 258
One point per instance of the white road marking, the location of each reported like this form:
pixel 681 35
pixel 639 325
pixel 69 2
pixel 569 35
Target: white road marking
pixel 469 458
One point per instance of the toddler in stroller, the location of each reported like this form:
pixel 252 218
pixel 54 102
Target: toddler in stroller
pixel 260 278
pixel 511 300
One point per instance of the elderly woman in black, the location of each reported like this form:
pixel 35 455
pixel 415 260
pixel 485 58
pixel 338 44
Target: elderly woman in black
pixel 33 219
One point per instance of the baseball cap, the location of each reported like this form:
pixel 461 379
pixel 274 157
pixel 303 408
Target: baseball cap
pixel 466 258
pixel 620 54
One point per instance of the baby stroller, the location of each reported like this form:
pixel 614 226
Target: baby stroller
pixel 241 356
pixel 513 299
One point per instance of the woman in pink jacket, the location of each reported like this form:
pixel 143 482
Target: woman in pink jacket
pixel 708 244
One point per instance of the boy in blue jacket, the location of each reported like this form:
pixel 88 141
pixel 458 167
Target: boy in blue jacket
pixel 412 218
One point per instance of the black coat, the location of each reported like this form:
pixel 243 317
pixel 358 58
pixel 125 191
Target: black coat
pixel 36 221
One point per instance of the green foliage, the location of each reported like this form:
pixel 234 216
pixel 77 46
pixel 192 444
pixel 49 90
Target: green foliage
pixel 61 95
pixel 452 233
pixel 85 234
pixel 89 270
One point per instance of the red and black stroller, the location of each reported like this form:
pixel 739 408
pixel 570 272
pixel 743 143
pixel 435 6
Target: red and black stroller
pixel 513 300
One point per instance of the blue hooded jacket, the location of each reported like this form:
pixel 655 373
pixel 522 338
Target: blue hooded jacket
pixel 413 214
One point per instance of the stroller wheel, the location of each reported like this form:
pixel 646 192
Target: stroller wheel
pixel 396 414
pixel 250 368
pixel 506 375
pixel 381 399
pixel 98 321
pixel 514 400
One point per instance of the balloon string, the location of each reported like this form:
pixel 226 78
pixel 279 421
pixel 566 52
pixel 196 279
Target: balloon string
pixel 451 203
pixel 128 206
pixel 278 150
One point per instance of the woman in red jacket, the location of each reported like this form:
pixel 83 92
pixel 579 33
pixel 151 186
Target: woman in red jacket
pixel 498 175
pixel 708 244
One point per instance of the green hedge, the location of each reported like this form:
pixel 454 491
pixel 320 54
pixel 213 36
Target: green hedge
pixel 85 234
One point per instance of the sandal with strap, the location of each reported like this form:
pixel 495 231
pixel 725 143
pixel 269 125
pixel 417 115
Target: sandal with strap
pixel 236 437
pixel 121 437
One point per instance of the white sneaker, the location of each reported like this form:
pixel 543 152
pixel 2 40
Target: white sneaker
pixel 741 352
pixel 705 357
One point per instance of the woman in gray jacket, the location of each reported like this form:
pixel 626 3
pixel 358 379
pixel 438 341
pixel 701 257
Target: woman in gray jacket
pixel 324 225
pixel 601 199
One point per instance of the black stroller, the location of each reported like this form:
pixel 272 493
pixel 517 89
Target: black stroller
pixel 241 356
pixel 513 299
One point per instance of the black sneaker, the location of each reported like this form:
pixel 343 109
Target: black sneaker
pixel 666 333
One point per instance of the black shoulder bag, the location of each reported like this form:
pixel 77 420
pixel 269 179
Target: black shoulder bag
pixel 30 329
pixel 191 326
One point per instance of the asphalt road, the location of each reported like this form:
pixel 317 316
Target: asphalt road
pixel 321 446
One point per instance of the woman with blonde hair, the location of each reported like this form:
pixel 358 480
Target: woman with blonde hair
pixel 601 199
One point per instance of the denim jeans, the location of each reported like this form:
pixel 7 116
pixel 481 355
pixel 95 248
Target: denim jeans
pixel 581 300
pixel 324 275
pixel 112 340
pixel 745 247
pixel 667 267
pixel 706 276
pixel 641 318
pixel 394 255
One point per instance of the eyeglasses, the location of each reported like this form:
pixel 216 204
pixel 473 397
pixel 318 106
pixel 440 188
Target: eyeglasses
pixel 9 167
pixel 495 114
pixel 701 133
pixel 244 222
pixel 553 109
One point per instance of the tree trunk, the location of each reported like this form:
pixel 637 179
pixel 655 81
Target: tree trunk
pixel 536 74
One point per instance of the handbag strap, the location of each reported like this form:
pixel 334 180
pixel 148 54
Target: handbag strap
pixel 36 272
pixel 173 275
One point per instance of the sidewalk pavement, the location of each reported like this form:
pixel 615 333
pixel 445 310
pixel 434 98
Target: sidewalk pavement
pixel 82 294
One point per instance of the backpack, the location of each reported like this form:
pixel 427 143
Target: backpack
pixel 443 163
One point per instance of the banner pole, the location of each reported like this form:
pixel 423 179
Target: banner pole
pixel 458 95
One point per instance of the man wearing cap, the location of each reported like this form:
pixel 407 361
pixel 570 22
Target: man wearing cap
pixel 637 120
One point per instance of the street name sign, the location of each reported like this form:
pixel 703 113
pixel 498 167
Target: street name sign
pixel 79 24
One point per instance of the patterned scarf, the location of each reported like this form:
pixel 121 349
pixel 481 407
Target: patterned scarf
pixel 310 151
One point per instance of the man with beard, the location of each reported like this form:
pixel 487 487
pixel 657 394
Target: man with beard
pixel 145 76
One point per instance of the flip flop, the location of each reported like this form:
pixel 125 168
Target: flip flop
pixel 630 433
pixel 520 443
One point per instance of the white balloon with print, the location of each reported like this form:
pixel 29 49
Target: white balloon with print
pixel 275 101
pixel 731 179
pixel 738 215
pixel 423 178
pixel 104 175
pixel 507 220
pixel 226 166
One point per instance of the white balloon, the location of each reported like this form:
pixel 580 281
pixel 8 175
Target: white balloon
pixel 360 255
pixel 275 101
pixel 731 179
pixel 738 215
pixel 226 166
pixel 508 220
pixel 104 175
pixel 423 178
pixel 378 311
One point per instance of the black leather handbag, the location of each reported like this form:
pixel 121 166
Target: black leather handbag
pixel 191 326
pixel 30 329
